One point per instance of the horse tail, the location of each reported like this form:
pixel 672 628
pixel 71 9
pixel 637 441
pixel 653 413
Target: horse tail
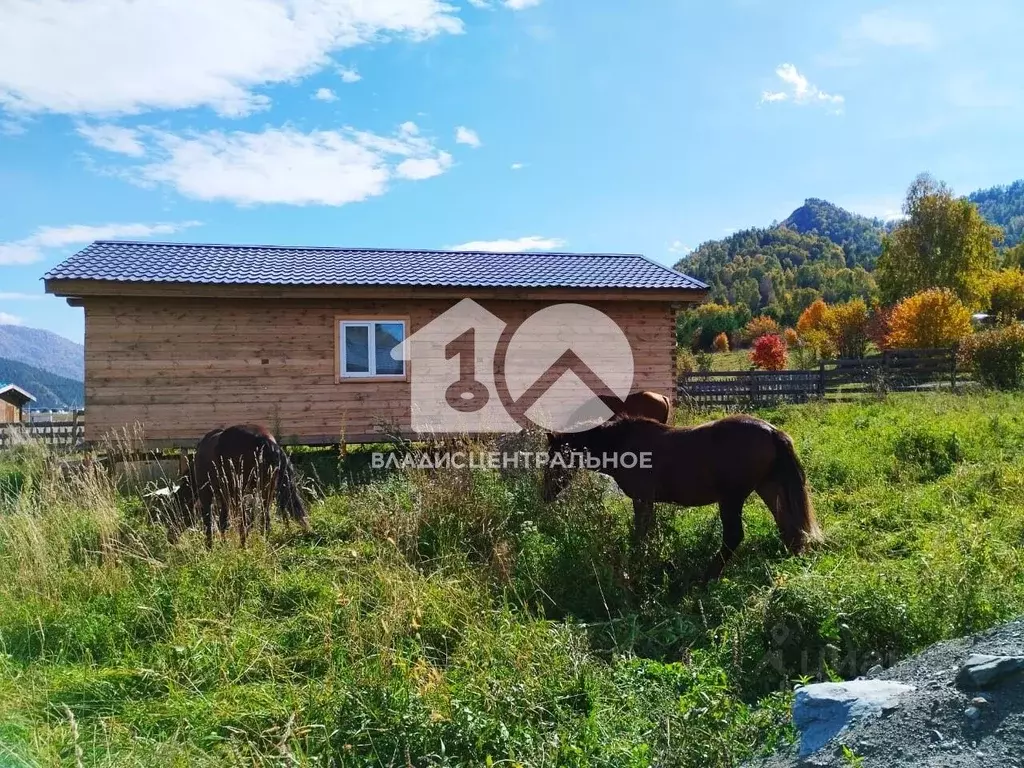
pixel 288 498
pixel 795 515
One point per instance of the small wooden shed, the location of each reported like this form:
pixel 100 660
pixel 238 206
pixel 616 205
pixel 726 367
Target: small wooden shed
pixel 13 400
pixel 182 338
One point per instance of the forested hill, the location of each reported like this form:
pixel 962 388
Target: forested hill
pixel 858 236
pixel 819 251
pixel 1003 206
pixel 49 389
pixel 776 268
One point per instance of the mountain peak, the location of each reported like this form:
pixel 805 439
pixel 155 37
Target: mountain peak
pixel 43 350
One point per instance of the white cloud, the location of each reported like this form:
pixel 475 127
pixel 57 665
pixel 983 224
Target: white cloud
pixel 464 135
pixel 325 94
pixel 678 246
pixel 113 138
pixel 480 3
pixel 887 27
pixel 419 168
pixel 7 319
pixel 285 165
pixel 518 166
pixel 518 5
pixel 799 90
pixel 30 249
pixel 520 245
pixel 349 75
pixel 126 56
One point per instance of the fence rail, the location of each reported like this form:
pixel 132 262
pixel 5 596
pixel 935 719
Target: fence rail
pixel 898 370
pixel 67 434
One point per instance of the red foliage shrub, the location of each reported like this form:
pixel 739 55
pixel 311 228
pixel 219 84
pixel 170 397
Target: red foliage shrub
pixel 769 353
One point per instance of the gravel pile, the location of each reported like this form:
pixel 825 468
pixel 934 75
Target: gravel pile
pixel 961 703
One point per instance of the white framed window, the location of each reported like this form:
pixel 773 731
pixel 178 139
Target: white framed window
pixel 365 348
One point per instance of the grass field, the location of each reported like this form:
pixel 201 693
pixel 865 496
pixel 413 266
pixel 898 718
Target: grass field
pixel 456 620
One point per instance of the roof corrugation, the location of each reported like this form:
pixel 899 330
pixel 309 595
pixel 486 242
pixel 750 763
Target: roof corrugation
pixel 124 261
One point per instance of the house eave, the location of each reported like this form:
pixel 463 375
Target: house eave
pixel 76 291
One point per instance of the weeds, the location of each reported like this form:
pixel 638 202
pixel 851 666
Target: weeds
pixel 454 619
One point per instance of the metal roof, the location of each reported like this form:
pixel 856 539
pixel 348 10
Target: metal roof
pixel 128 261
pixel 5 388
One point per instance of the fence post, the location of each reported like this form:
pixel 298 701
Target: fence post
pixel 821 379
pixel 952 366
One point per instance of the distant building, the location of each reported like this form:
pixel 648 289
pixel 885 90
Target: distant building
pixel 13 400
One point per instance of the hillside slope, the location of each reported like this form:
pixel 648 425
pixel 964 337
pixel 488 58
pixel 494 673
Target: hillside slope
pixel 819 251
pixel 858 236
pixel 50 390
pixel 1003 206
pixel 44 350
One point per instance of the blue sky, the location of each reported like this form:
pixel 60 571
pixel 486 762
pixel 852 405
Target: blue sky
pixel 649 125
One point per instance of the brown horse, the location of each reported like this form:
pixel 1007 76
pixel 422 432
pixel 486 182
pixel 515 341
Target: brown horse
pixel 721 462
pixel 230 463
pixel 642 404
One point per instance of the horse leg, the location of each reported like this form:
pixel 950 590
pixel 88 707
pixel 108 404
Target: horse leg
pixel 731 512
pixel 643 516
pixel 206 502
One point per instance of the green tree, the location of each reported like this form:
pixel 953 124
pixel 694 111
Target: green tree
pixel 943 243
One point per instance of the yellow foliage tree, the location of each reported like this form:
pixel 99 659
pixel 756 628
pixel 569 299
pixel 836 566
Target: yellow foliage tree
pixel 931 318
pixel 846 328
pixel 811 327
pixel 721 343
pixel 762 325
pixel 1006 294
pixel 792 338
pixel 812 318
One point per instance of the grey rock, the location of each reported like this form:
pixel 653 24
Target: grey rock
pixel 876 670
pixel 972 713
pixel 981 670
pixel 822 710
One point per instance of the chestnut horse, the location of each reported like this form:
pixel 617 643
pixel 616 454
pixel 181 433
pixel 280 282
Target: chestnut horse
pixel 721 462
pixel 228 464
pixel 646 404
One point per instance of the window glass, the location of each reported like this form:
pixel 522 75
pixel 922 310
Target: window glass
pixel 386 338
pixel 357 349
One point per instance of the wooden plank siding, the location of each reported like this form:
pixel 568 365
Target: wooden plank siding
pixel 9 413
pixel 182 366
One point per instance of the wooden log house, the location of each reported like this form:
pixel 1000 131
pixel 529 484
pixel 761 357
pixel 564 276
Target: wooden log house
pixel 182 338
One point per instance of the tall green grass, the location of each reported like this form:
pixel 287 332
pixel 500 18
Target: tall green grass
pixel 454 619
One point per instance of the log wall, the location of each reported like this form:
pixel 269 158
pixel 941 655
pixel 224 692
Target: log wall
pixel 180 367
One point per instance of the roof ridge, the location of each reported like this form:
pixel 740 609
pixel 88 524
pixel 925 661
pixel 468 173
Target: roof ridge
pixel 350 249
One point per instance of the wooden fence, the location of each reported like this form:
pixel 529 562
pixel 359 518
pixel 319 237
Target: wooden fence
pixel 67 434
pixel 898 370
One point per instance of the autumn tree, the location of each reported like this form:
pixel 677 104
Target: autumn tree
pixel 811 327
pixel 1006 295
pixel 762 325
pixel 769 353
pixel 932 318
pixel 721 343
pixel 846 327
pixel 943 243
